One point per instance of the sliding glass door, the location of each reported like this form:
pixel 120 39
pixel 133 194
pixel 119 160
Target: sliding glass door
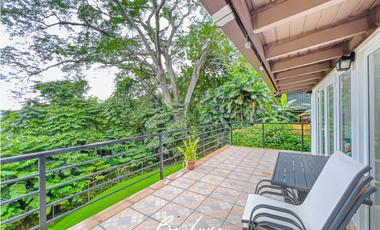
pixel 334 115
pixel 374 131
pixel 345 125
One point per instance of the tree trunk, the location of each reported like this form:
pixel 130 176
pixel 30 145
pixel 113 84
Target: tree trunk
pixel 173 79
pixel 164 88
pixel 252 111
pixel 194 77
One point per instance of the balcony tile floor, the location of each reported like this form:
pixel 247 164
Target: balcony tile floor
pixel 212 195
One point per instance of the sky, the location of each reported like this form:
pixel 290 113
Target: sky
pixel 101 82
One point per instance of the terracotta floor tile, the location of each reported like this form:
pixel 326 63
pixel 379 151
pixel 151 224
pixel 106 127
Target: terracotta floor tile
pixel 242 169
pixel 160 184
pixel 242 200
pixel 234 217
pixel 149 205
pixel 203 169
pixel 233 184
pixel 231 162
pixel 113 210
pixel 225 194
pixel 216 208
pixel 211 164
pixel 249 188
pixel 220 172
pixel 229 167
pixel 230 226
pixel 97 227
pixel 175 175
pixel 168 192
pixel 212 179
pixel 239 176
pixel 179 213
pixel 263 173
pixel 248 164
pixel 182 182
pixel 194 175
pixel 140 195
pixel 148 224
pixel 189 199
pixel 199 220
pixel 126 219
pixel 202 188
pixel 255 179
pixel 88 223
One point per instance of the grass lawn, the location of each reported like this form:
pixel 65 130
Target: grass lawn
pixel 90 210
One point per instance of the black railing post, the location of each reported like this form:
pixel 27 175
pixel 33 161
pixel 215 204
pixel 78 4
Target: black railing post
pixel 224 134
pixel 232 134
pixel 161 159
pixel 203 142
pixel 263 136
pixel 303 146
pixel 42 193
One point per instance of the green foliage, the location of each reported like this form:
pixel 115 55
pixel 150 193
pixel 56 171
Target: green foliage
pixel 276 136
pixel 241 98
pixel 65 118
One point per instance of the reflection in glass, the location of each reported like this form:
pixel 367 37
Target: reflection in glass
pixel 345 112
pixel 374 79
pixel 323 121
pixel 331 118
pixel 318 128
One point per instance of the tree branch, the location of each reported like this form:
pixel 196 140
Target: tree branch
pixel 174 27
pixel 129 19
pixel 78 24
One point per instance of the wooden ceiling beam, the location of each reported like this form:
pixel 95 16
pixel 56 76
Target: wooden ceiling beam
pixel 273 15
pixel 314 68
pixel 300 85
pixel 310 58
pixel 304 78
pixel 294 90
pixel 318 37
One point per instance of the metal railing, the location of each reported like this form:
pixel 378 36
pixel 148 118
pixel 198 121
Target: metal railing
pixel 291 136
pixel 162 154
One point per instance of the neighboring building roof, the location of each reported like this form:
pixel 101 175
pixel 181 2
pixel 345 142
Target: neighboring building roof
pixel 297 42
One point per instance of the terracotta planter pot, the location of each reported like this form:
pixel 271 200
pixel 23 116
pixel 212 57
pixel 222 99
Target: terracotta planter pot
pixel 190 165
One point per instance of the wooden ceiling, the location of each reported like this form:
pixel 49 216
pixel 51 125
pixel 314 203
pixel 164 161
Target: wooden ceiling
pixel 296 41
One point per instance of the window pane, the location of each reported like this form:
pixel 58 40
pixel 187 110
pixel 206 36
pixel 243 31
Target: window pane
pixel 318 127
pixel 374 79
pixel 345 112
pixel 331 118
pixel 323 121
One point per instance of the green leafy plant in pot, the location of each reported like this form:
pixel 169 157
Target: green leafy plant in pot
pixel 190 153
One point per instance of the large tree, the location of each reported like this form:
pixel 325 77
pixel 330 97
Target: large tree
pixel 147 37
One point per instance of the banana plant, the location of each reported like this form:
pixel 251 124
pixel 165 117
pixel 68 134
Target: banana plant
pixel 190 151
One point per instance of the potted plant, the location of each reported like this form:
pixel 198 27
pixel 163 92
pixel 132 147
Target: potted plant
pixel 190 153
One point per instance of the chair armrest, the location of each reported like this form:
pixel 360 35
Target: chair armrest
pixel 252 219
pixel 282 186
pixel 294 200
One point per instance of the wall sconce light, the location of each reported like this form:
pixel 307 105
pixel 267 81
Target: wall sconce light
pixel 344 62
pixel 308 93
pixel 247 43
pixel 261 66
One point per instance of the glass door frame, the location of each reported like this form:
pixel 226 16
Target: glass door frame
pixel 370 98
pixel 334 81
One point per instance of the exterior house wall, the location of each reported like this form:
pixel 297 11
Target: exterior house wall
pixel 360 123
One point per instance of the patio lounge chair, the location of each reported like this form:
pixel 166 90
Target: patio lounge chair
pixel 336 195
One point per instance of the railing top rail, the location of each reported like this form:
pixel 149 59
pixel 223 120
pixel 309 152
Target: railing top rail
pixel 31 156
pixel 269 123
